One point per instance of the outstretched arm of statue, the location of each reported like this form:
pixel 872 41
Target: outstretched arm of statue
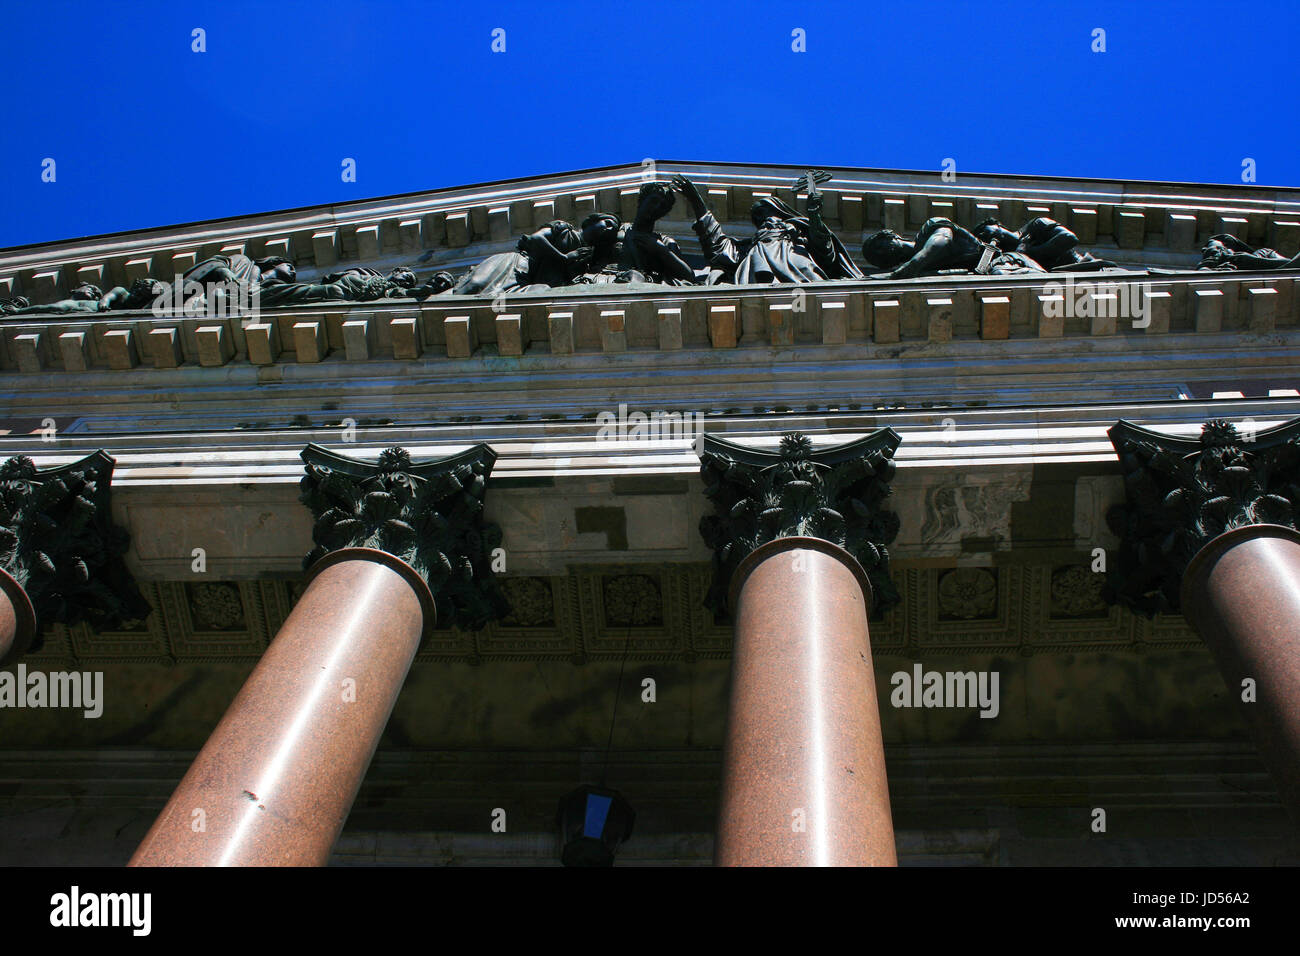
pixel 114 298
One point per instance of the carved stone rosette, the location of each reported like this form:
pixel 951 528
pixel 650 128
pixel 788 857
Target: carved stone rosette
pixel 1182 493
pixel 58 543
pixel 429 515
pixel 836 494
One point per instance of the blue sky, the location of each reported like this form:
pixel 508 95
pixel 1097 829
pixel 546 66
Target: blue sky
pixel 146 132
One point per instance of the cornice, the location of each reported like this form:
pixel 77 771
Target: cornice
pixel 486 217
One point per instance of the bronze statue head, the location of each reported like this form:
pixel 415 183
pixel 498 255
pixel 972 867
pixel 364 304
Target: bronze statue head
pixel 600 229
pixel 656 199
pixel 992 231
pixel 402 277
pixel 886 248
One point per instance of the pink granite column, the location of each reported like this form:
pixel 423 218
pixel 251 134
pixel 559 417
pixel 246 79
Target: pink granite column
pixel 1241 592
pixel 275 782
pixel 17 620
pixel 804 780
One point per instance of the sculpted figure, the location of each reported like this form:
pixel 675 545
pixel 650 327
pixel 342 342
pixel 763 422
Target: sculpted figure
pixel 540 261
pixel 1227 252
pixel 88 298
pixel 352 285
pixel 940 246
pixel 787 247
pixel 614 251
pixel 241 270
pixel 1045 241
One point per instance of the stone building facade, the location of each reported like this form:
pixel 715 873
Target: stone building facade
pixel 1010 525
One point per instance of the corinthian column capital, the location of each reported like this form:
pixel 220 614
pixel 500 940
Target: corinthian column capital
pixel 836 494
pixel 427 515
pixel 60 552
pixel 1183 493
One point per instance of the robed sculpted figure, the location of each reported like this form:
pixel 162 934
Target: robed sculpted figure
pixel 786 246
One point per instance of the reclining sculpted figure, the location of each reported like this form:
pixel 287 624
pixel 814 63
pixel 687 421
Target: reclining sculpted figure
pixel 1045 241
pixel 88 297
pixel 1227 252
pixel 541 260
pixel 940 246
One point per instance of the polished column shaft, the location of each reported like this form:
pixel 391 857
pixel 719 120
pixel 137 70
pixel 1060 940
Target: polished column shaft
pixel 804 780
pixel 1241 592
pixel 277 778
pixel 17 620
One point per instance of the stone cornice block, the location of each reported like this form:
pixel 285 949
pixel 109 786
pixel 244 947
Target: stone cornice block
pixel 780 319
pixel 428 515
pixel 404 330
pixel 1208 309
pixel 358 338
pixel 478 220
pixel 1180 231
pixel 510 335
pixel 1284 236
pixel 939 319
pixel 499 223
pixel 852 217
pixel 613 330
pixel 1051 316
pixel 559 331
pixel 834 320
pixel 165 347
pixel 894 213
pixel 411 235
pixel 458 230
pixel 262 340
pixel 26 351
pixel 723 322
pixel 584 205
pixel 1160 307
pixel 1103 306
pixel 138 268
pixel 1262 309
pixel 1231 223
pixel 718 199
pixel 119 349
pixel 670 328
pixel 325 247
pixel 1130 228
pixel 367 242
pixel 543 212
pixel 309 341
pixel 44 284
pixel 1083 223
pixel 216 347
pixel 75 350
pixel 886 321
pixel 92 273
pixel 182 262
pixel 276 246
pixel 459 332
pixel 995 316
